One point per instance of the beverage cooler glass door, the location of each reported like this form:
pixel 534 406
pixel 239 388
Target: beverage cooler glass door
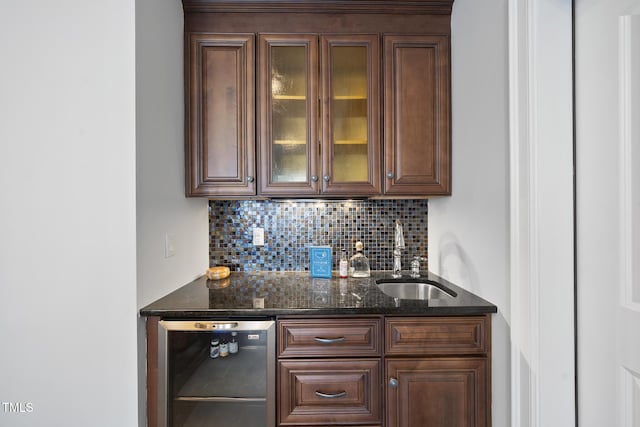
pixel 203 386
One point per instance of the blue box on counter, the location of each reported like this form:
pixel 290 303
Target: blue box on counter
pixel 320 261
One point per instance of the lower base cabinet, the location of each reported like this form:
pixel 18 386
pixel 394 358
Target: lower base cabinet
pixel 364 371
pixel 441 392
pixel 387 371
pixel 438 371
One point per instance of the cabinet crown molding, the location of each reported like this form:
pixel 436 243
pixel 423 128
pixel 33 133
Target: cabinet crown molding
pixel 321 6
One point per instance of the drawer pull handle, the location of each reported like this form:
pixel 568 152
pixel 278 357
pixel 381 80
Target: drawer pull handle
pixel 328 340
pixel 331 396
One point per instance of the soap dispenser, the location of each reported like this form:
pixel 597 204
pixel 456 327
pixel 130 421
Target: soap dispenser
pixel 359 264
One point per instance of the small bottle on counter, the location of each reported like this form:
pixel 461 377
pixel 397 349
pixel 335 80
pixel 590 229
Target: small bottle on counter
pixel 224 347
pixel 344 265
pixel 214 351
pixel 233 344
pixel 359 264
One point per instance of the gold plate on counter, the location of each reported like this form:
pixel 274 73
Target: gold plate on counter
pixel 217 273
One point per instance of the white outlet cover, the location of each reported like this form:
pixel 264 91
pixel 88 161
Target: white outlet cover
pixel 169 245
pixel 258 236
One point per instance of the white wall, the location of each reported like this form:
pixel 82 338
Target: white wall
pixel 67 218
pixel 162 207
pixel 469 231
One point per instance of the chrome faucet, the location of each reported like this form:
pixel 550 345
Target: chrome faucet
pixel 397 250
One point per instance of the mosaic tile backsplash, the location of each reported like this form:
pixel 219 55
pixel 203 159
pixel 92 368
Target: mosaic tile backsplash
pixel 291 227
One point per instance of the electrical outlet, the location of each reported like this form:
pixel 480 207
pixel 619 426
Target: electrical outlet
pixel 258 236
pixel 169 245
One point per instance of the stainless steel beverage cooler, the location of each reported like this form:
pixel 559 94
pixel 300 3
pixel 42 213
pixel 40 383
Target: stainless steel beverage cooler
pixel 196 390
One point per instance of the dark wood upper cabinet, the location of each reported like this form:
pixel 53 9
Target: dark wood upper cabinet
pixel 417 140
pixel 307 98
pixel 350 109
pixel 288 106
pixel 220 109
pixel 318 115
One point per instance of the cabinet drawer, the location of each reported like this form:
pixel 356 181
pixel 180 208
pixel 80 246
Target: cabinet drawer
pixel 329 338
pixel 329 392
pixel 437 335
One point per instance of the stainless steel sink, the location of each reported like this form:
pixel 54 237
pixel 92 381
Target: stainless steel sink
pixel 418 289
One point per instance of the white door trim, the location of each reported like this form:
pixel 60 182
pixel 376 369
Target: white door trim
pixel 629 140
pixel 541 213
pixel 524 286
pixel 629 99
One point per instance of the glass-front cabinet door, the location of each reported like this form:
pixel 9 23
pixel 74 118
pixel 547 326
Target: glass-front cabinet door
pixel 288 81
pixel 318 108
pixel 350 115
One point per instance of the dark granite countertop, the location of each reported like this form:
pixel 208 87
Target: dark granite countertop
pixel 296 293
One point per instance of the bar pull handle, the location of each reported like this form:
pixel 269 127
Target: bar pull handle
pixel 331 396
pixel 328 340
pixel 215 325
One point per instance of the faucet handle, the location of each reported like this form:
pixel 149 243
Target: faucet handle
pixel 415 265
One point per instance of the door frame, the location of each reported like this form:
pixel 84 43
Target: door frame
pixel 542 207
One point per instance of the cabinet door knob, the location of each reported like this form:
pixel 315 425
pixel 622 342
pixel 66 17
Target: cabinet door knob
pixel 250 178
pixel 389 175
pixel 393 382
pixel 314 178
pixel 327 178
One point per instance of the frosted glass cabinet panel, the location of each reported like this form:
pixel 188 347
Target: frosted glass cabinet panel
pixel 289 114
pixel 318 109
pixel 288 99
pixel 350 121
pixel 349 107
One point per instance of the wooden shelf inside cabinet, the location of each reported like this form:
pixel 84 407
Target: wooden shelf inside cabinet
pixel 351 142
pixel 289 97
pixel 289 142
pixel 350 98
